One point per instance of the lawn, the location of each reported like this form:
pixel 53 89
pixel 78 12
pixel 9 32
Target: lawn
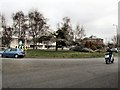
pixel 61 54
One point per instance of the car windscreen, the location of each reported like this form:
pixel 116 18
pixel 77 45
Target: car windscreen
pixel 6 50
pixel 19 49
pixel 13 49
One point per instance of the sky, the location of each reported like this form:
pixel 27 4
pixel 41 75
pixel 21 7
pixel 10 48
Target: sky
pixel 96 16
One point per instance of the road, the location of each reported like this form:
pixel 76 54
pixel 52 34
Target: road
pixel 59 73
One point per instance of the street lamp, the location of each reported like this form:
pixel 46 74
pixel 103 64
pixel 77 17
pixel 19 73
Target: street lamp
pixel 116 26
pixel 116 32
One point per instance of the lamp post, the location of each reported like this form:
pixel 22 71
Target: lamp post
pixel 116 26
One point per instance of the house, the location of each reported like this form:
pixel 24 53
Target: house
pixel 92 38
pixel 29 43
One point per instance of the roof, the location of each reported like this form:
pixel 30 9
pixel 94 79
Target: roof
pixel 92 38
pixel 14 37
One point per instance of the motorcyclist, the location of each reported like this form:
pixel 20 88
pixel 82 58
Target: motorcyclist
pixel 110 52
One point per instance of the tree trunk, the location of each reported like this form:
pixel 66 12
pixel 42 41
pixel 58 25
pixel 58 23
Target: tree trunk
pixel 62 47
pixel 47 45
pixel 33 42
pixel 56 46
pixel 36 47
pixel 33 45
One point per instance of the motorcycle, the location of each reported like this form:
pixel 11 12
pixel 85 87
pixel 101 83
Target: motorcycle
pixel 107 58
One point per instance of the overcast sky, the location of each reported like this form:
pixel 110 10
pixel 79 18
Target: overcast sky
pixel 96 16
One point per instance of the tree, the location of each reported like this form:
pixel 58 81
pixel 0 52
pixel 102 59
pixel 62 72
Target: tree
pixel 79 33
pixel 7 36
pixel 114 40
pixel 45 40
pixel 67 29
pixel 20 26
pixel 6 33
pixel 3 21
pixel 37 25
pixel 64 33
pixel 60 43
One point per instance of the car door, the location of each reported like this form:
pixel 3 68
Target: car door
pixel 12 52
pixel 6 53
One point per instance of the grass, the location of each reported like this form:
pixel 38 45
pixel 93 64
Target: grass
pixel 61 54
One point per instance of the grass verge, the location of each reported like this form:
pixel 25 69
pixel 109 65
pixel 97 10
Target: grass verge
pixel 61 54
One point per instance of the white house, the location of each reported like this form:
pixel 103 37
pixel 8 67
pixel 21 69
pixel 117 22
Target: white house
pixel 43 45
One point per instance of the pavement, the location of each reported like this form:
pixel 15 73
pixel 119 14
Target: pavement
pixel 59 73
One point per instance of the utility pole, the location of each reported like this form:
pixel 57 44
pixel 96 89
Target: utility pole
pixel 116 27
pixel 118 24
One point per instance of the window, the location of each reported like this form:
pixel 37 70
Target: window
pixel 13 49
pixel 7 50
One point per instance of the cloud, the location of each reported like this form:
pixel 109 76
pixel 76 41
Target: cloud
pixel 103 27
pixel 97 16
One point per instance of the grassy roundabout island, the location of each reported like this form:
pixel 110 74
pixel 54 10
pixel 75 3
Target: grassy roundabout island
pixel 61 54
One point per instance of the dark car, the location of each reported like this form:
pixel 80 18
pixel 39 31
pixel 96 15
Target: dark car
pixel 13 52
pixel 81 49
pixel 76 48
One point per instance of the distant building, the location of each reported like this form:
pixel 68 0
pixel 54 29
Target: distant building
pixel 92 38
pixel 14 41
pixel 44 45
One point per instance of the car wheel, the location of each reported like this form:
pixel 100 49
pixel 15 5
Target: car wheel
pixel 2 56
pixel 16 56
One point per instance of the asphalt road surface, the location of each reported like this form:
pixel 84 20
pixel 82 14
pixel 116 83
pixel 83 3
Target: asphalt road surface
pixel 59 73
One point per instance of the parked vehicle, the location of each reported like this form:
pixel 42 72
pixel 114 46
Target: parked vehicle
pixel 81 49
pixel 115 50
pixel 118 49
pixel 76 48
pixel 13 52
pixel 109 60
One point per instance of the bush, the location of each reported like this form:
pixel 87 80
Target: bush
pixel 76 48
pixel 93 47
pixel 87 50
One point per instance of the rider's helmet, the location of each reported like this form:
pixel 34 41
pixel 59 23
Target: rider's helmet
pixel 107 48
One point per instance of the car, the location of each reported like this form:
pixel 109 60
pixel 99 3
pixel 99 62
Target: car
pixel 76 48
pixel 81 49
pixel 1 53
pixel 115 50
pixel 118 49
pixel 13 52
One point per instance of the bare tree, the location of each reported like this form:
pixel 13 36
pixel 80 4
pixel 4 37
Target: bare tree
pixel 6 33
pixel 116 40
pixel 3 21
pixel 20 26
pixel 7 36
pixel 18 19
pixel 37 25
pixel 67 29
pixel 79 33
pixel 64 33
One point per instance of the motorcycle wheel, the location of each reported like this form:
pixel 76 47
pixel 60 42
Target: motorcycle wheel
pixel 112 60
pixel 106 61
